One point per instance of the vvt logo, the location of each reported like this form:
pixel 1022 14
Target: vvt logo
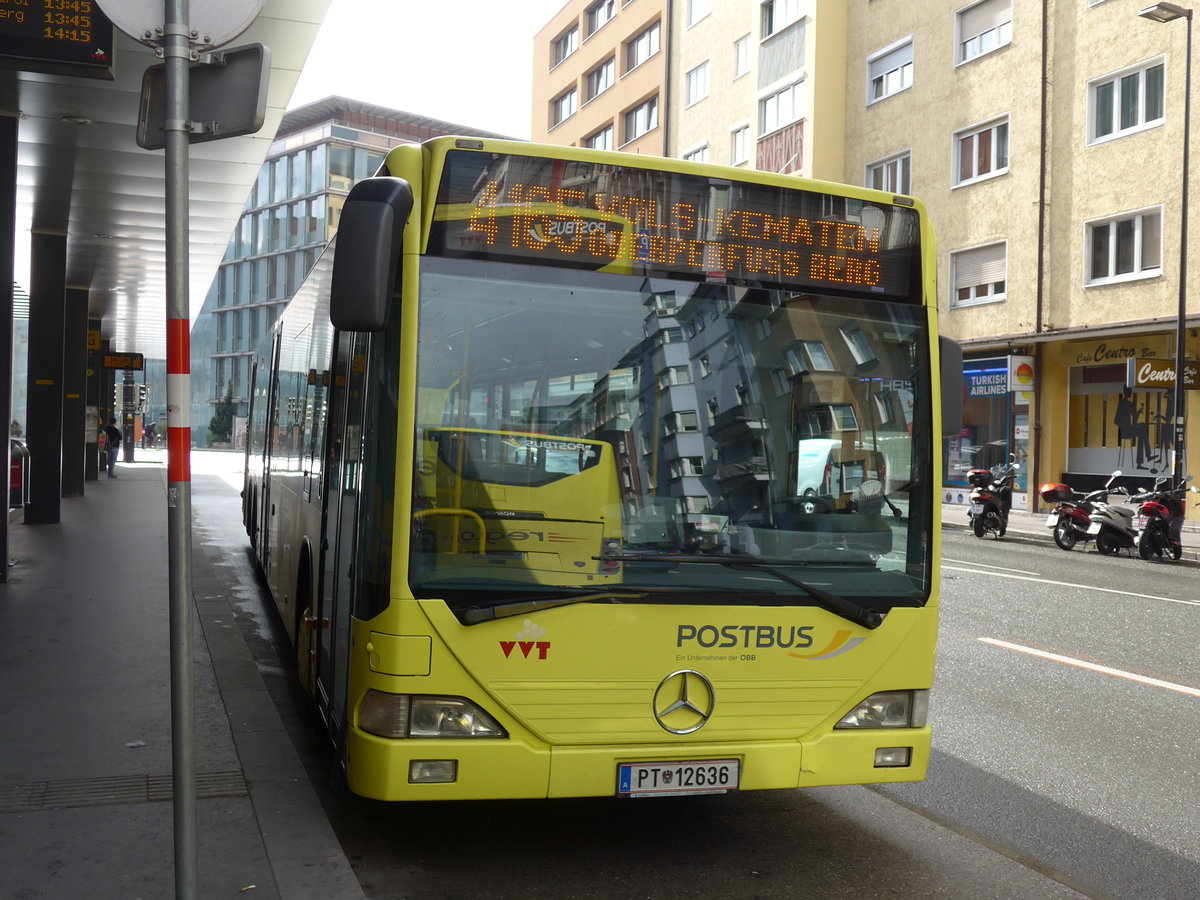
pixel 527 642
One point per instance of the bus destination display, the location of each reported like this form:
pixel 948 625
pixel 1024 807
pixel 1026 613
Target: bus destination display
pixel 620 219
pixel 58 36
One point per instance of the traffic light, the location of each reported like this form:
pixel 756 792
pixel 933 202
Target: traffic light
pixel 141 400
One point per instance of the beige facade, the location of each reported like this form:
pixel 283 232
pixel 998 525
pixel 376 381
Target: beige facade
pixel 753 85
pixel 1045 139
pixel 599 76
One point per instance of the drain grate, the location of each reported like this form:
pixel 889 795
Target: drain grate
pixel 119 789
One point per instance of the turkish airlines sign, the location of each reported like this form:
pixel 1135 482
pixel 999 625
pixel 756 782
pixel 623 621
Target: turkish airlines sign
pixel 1159 374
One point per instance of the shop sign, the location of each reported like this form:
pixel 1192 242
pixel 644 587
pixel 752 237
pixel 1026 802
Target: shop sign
pixel 1159 374
pixel 1021 373
pixel 986 377
pixel 1110 351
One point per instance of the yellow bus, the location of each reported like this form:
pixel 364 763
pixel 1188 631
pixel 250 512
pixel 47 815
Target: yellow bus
pixel 523 477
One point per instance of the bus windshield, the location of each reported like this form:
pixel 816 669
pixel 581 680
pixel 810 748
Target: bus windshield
pixel 583 431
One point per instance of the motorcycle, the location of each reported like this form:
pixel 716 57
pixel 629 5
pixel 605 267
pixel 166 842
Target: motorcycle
pixel 1114 525
pixel 1069 518
pixel 991 498
pixel 1160 520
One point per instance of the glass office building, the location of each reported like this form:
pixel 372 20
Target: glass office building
pixel 319 152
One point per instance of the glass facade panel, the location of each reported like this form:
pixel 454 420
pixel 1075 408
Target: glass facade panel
pixel 341 167
pixel 299 185
pixel 316 169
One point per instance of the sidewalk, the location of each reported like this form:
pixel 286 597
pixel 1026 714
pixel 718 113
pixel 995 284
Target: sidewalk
pixel 85 721
pixel 1033 525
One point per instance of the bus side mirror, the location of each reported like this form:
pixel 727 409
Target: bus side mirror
pixel 952 386
pixel 367 253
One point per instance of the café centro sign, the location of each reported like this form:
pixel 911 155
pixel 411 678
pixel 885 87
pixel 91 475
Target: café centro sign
pixel 1159 374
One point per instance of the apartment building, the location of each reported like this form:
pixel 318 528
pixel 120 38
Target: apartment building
pixel 600 76
pixel 1046 140
pixel 752 85
pixel 319 152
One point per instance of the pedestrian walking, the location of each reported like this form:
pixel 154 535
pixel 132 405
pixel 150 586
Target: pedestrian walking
pixel 113 434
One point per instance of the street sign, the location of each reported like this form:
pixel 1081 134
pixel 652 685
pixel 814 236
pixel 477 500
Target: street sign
pixel 70 37
pixel 132 361
pixel 227 97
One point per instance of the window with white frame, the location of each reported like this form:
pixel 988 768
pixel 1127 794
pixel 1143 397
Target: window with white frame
pixel 601 78
pixel 780 108
pixel 1125 247
pixel 599 13
pixel 565 45
pixel 741 56
pixel 687 466
pixel 890 71
pixel 1126 102
pixel 697 154
pixel 739 144
pixel 685 420
pixel 673 375
pixel 564 106
pixel 695 11
pixel 642 47
pixel 858 343
pixel 982 28
pixel 778 14
pixel 979 274
pixel 782 382
pixel 601 140
pixel 695 84
pixel 819 359
pixel 893 174
pixel 641 119
pixel 981 152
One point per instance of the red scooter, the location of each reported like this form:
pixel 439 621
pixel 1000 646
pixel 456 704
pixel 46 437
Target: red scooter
pixel 1160 520
pixel 1070 516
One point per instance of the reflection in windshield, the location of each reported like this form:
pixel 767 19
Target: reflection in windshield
pixel 579 430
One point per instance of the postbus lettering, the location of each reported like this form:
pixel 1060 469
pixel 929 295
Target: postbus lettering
pixel 761 637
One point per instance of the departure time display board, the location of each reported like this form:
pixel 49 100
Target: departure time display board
pixel 64 37
pixel 647 222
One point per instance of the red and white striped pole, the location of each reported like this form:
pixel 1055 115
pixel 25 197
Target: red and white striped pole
pixel 176 131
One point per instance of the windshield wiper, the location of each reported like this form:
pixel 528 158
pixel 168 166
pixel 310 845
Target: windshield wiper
pixel 840 606
pixel 569 596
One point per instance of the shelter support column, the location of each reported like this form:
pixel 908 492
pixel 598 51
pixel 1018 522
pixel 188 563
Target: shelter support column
pixel 92 414
pixel 8 214
pixel 75 360
pixel 47 322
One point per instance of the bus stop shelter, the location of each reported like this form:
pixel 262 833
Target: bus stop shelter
pixel 83 226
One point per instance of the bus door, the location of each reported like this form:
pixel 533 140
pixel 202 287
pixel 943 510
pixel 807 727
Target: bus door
pixel 347 400
pixel 270 446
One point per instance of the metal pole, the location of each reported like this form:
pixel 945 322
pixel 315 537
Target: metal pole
pixel 177 54
pixel 1180 333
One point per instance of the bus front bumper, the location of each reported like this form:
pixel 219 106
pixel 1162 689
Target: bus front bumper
pixel 494 769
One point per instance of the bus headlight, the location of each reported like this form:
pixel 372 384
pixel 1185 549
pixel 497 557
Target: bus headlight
pixel 889 709
pixel 421 716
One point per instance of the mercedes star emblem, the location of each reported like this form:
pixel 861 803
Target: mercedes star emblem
pixel 684 701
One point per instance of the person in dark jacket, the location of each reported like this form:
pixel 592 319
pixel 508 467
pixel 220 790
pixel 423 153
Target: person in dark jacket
pixel 113 435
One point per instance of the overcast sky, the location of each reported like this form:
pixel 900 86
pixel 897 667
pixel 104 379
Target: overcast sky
pixel 464 61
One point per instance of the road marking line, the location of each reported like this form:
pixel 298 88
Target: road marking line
pixel 1094 667
pixel 1084 587
pixel 967 562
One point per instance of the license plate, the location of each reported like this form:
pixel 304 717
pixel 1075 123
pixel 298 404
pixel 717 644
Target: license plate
pixel 1143 521
pixel 1051 520
pixel 1094 528
pixel 977 509
pixel 666 779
